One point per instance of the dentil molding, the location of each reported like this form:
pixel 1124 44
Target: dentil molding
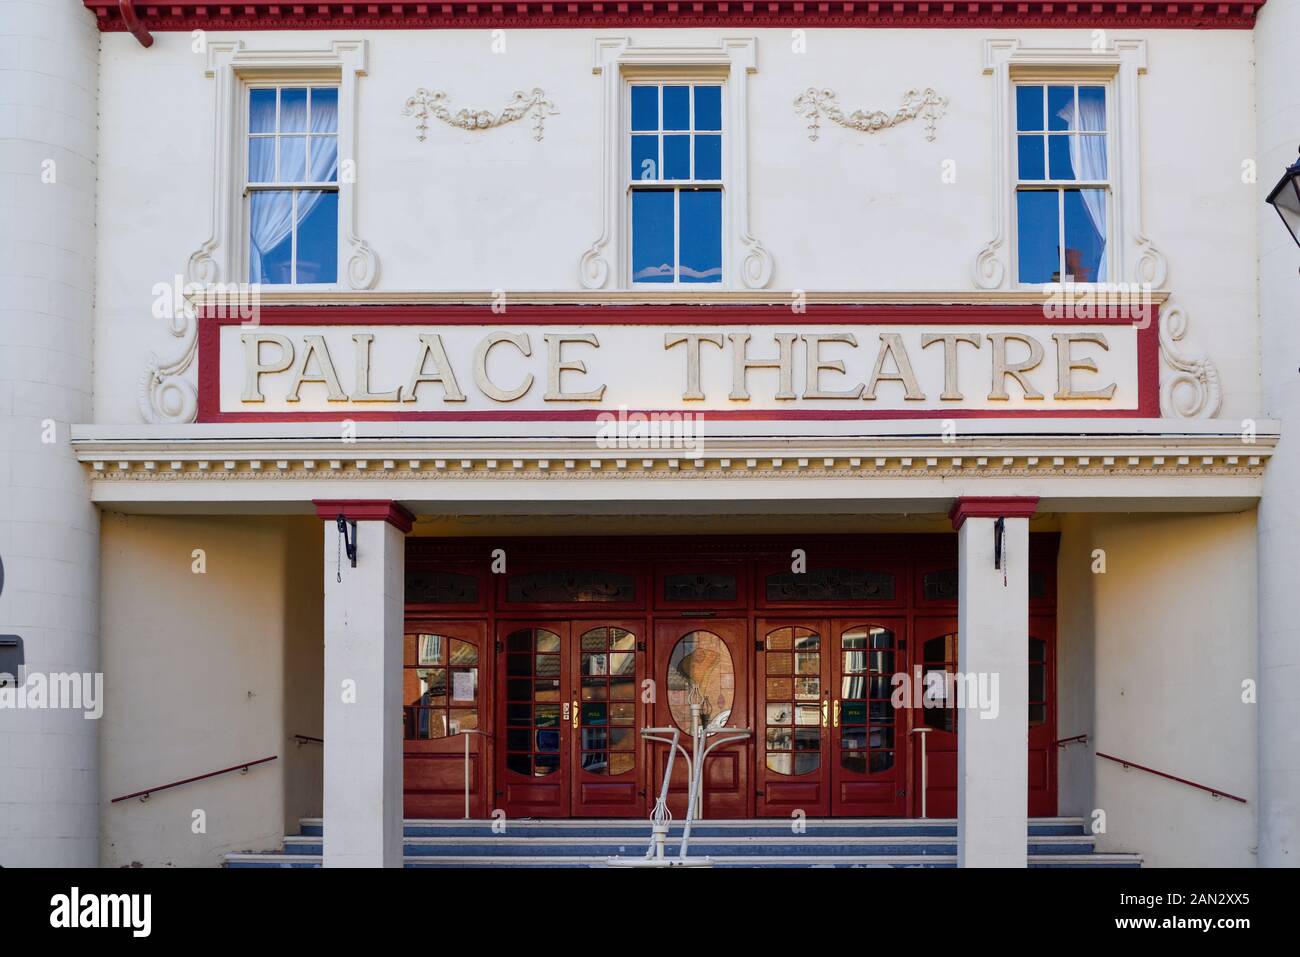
pixel 815 103
pixel 433 103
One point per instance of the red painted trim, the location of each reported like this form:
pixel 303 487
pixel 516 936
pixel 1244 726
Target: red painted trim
pixel 365 510
pixel 605 14
pixel 675 314
pixel 969 507
pixel 132 23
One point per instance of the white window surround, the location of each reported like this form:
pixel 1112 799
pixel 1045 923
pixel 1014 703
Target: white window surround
pixel 746 262
pixel 223 257
pixel 1131 256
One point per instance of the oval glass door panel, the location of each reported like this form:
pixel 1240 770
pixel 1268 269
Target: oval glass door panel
pixel 533 702
pixel 701 672
pixel 866 712
pixel 792 734
pixel 606 718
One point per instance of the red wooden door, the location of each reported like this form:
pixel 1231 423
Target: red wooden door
pixel 445 697
pixel 710 658
pixel 935 650
pixel 608 773
pixel 792 689
pixel 1042 716
pixel 534 682
pixel 868 734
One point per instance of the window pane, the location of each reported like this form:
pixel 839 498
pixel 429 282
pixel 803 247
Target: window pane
pixel 652 235
pixel 677 107
pixel 1029 107
pixel 318 236
pixel 1092 107
pixel 261 159
pixel 677 157
pixel 1058 157
pixel 261 111
pixel 1088 157
pixel 324 109
pixel 645 107
pixel 1085 235
pixel 1039 235
pixel 1030 150
pixel 645 157
pixel 270 240
pixel 701 239
pixel 708 108
pixel 324 160
pixel 708 157
pixel 293 110
pixel 1060 107
pixel 293 159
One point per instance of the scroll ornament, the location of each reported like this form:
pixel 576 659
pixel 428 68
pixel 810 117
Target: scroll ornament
pixel 1193 390
pixel 815 103
pixel 433 103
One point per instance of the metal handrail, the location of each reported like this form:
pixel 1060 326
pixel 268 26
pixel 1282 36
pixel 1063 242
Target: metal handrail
pixel 241 768
pixel 1080 738
pixel 923 730
pixel 1132 764
pixel 307 739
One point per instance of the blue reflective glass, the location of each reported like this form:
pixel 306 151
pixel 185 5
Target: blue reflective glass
pixel 270 218
pixel 645 157
pixel 1038 231
pixel 677 107
pixel 1029 107
pixel 1085 235
pixel 645 107
pixel 324 109
pixel 708 157
pixel 652 235
pixel 261 159
pixel 318 236
pixel 1058 157
pixel 293 159
pixel 324 160
pixel 293 110
pixel 1060 107
pixel 708 108
pixel 701 235
pixel 261 111
pixel 677 157
pixel 1030 157
pixel 1092 107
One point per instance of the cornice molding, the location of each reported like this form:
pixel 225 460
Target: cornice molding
pixel 186 15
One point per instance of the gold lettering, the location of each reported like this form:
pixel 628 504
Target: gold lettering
pixel 1002 369
pixel 692 340
pixel 481 379
pixel 362 393
pixel 253 367
pixel 951 390
pixel 817 365
pixel 741 364
pixel 891 346
pixel 316 347
pixel 431 348
pixel 555 366
pixel 1066 363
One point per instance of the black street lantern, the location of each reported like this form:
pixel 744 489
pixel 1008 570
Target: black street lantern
pixel 1285 198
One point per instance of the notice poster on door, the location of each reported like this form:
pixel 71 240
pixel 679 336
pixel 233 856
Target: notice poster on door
pixel 462 685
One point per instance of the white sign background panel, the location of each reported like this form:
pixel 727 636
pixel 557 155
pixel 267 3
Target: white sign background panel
pixel 638 372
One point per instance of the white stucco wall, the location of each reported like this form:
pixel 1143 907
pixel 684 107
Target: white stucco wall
pixel 203 671
pixel 1168 633
pixel 496 209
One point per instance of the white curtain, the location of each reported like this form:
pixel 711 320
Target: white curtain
pixel 1088 156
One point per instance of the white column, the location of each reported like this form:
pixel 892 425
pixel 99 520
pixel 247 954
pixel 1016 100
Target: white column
pixel 993 658
pixel 1277 136
pixel 49 530
pixel 363 689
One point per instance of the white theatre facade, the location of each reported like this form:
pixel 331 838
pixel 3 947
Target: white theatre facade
pixel 407 403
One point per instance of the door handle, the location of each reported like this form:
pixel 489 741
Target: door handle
pixel 825 705
pixel 837 713
pixel 575 715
